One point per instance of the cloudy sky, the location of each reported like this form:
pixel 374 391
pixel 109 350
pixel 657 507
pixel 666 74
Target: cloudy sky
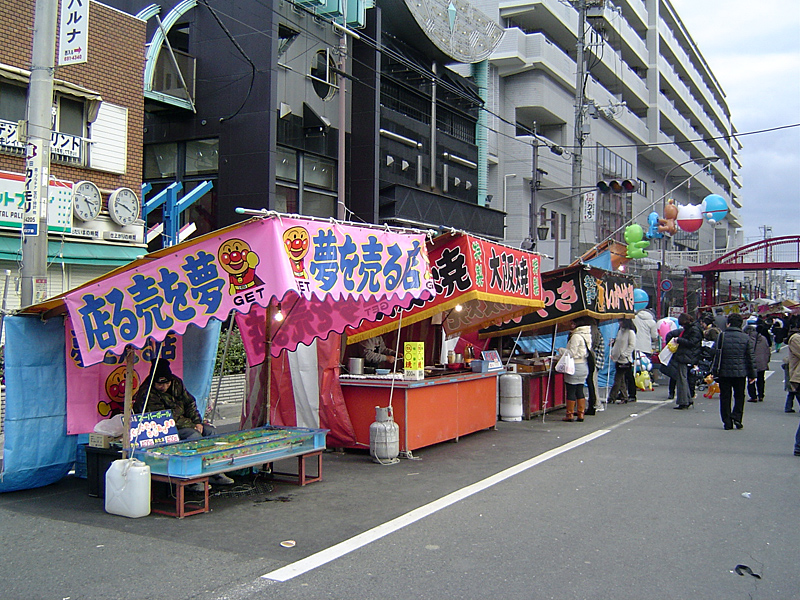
pixel 753 48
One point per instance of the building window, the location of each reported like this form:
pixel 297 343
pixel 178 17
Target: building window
pixel 12 102
pixel 319 172
pixel 316 196
pixel 563 230
pixel 202 157
pixel 160 161
pixel 323 74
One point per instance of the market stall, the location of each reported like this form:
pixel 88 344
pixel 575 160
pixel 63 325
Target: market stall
pixel 478 283
pixel 292 280
pixel 569 293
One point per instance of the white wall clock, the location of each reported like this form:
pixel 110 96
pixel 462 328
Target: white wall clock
pixel 123 206
pixel 86 200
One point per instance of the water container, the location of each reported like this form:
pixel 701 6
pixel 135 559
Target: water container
pixel 128 488
pixel 384 436
pixel 511 397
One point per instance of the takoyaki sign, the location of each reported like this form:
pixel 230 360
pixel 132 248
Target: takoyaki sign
pixel 350 273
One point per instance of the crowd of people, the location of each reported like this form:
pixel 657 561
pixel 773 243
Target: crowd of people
pixel 733 352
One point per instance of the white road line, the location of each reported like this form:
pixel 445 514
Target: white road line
pixel 329 554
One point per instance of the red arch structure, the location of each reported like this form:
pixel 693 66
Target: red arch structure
pixel 772 253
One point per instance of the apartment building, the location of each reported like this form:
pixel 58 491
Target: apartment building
pixel 96 149
pixel 651 112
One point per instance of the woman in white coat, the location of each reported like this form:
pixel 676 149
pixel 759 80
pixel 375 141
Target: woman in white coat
pixel 580 340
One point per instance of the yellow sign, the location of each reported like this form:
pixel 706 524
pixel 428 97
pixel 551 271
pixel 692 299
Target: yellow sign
pixel 414 360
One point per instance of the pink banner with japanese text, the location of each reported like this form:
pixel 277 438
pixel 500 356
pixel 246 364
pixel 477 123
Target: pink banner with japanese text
pixel 98 392
pixel 322 276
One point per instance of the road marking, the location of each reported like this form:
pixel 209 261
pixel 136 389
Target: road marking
pixel 354 543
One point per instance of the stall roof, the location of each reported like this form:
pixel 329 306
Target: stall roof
pixel 478 283
pixel 320 275
pixel 575 291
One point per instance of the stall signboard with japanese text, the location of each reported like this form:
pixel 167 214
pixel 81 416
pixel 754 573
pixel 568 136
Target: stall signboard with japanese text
pixel 478 282
pixel 323 276
pixel 151 428
pixel 576 292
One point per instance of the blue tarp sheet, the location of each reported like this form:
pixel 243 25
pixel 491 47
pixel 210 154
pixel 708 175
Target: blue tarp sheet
pixel 37 450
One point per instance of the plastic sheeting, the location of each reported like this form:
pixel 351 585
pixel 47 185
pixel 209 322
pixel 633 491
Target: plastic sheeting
pixel 37 449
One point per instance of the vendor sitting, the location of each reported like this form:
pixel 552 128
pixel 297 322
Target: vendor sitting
pixel 377 354
pixel 168 393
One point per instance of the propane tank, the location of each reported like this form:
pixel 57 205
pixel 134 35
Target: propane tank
pixel 384 436
pixel 511 397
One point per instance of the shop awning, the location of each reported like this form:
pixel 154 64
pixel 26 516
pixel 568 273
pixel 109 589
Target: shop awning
pixel 319 276
pixel 572 292
pixel 478 283
pixel 75 253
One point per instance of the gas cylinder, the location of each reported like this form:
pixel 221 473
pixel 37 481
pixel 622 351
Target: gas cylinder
pixel 384 436
pixel 511 397
pixel 128 488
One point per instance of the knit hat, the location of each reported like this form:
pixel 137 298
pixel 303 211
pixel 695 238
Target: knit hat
pixel 162 372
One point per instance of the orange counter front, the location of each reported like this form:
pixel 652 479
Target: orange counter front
pixel 427 412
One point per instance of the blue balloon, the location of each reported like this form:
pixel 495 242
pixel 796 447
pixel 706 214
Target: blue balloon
pixel 652 230
pixel 640 299
pixel 715 208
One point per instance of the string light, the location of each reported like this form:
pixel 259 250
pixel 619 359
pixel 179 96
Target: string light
pixel 278 315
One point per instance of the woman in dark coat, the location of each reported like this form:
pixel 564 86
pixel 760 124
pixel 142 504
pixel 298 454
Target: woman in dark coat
pixel 755 391
pixel 689 344
pixel 734 367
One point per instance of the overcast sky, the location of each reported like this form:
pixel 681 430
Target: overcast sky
pixel 753 49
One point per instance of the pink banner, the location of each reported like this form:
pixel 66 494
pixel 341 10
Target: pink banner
pixel 315 271
pixel 98 392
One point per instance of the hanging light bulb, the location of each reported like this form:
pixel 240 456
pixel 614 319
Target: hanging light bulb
pixel 278 315
pixel 459 308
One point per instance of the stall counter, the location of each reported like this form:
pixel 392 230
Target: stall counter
pixel 428 411
pixel 536 392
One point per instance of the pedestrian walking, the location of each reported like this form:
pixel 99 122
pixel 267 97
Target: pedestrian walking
pixel 755 391
pixel 793 343
pixel 778 332
pixel 624 388
pixel 689 344
pixel 734 366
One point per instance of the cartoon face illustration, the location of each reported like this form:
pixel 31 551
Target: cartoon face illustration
pixel 296 242
pixel 236 257
pixel 115 391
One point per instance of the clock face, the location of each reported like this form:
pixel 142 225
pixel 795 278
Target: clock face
pixel 86 200
pixel 123 206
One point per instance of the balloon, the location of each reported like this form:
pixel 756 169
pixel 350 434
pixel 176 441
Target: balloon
pixel 636 245
pixel 667 224
pixel 640 299
pixel 664 326
pixel 652 230
pixel 690 218
pixel 715 208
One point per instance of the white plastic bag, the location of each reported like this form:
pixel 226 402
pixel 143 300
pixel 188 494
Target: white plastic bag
pixel 665 355
pixel 566 364
pixel 112 426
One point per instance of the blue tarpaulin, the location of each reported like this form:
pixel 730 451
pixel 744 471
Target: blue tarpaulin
pixel 37 450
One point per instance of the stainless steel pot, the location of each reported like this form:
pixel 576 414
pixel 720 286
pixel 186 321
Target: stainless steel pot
pixel 356 366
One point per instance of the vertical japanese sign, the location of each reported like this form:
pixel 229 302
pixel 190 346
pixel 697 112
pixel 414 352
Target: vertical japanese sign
pixel 36 176
pixel 73 32
pixel 589 214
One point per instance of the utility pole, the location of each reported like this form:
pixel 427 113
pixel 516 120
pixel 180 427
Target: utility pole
pixel 341 213
pixel 37 154
pixel 577 152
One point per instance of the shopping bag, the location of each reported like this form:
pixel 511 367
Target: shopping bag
pixel 665 355
pixel 566 364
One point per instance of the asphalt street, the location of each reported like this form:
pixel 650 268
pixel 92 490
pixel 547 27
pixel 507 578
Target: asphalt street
pixel 639 501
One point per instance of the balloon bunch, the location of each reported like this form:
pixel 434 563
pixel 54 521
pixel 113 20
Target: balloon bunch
pixel 689 218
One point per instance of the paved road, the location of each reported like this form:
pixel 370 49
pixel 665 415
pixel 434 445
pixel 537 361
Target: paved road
pixel 640 501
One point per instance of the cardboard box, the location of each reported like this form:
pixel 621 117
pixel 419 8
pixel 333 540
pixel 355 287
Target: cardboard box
pixel 99 440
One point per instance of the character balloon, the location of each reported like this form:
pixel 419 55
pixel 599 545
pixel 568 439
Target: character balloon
pixel 664 326
pixel 714 208
pixel 690 217
pixel 668 224
pixel 636 245
pixel 652 230
pixel 640 299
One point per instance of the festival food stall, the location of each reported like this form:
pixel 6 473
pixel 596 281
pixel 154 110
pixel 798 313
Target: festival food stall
pixel 478 283
pixel 301 279
pixel 569 293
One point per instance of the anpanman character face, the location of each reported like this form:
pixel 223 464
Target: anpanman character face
pixel 295 242
pixel 236 257
pixel 115 384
